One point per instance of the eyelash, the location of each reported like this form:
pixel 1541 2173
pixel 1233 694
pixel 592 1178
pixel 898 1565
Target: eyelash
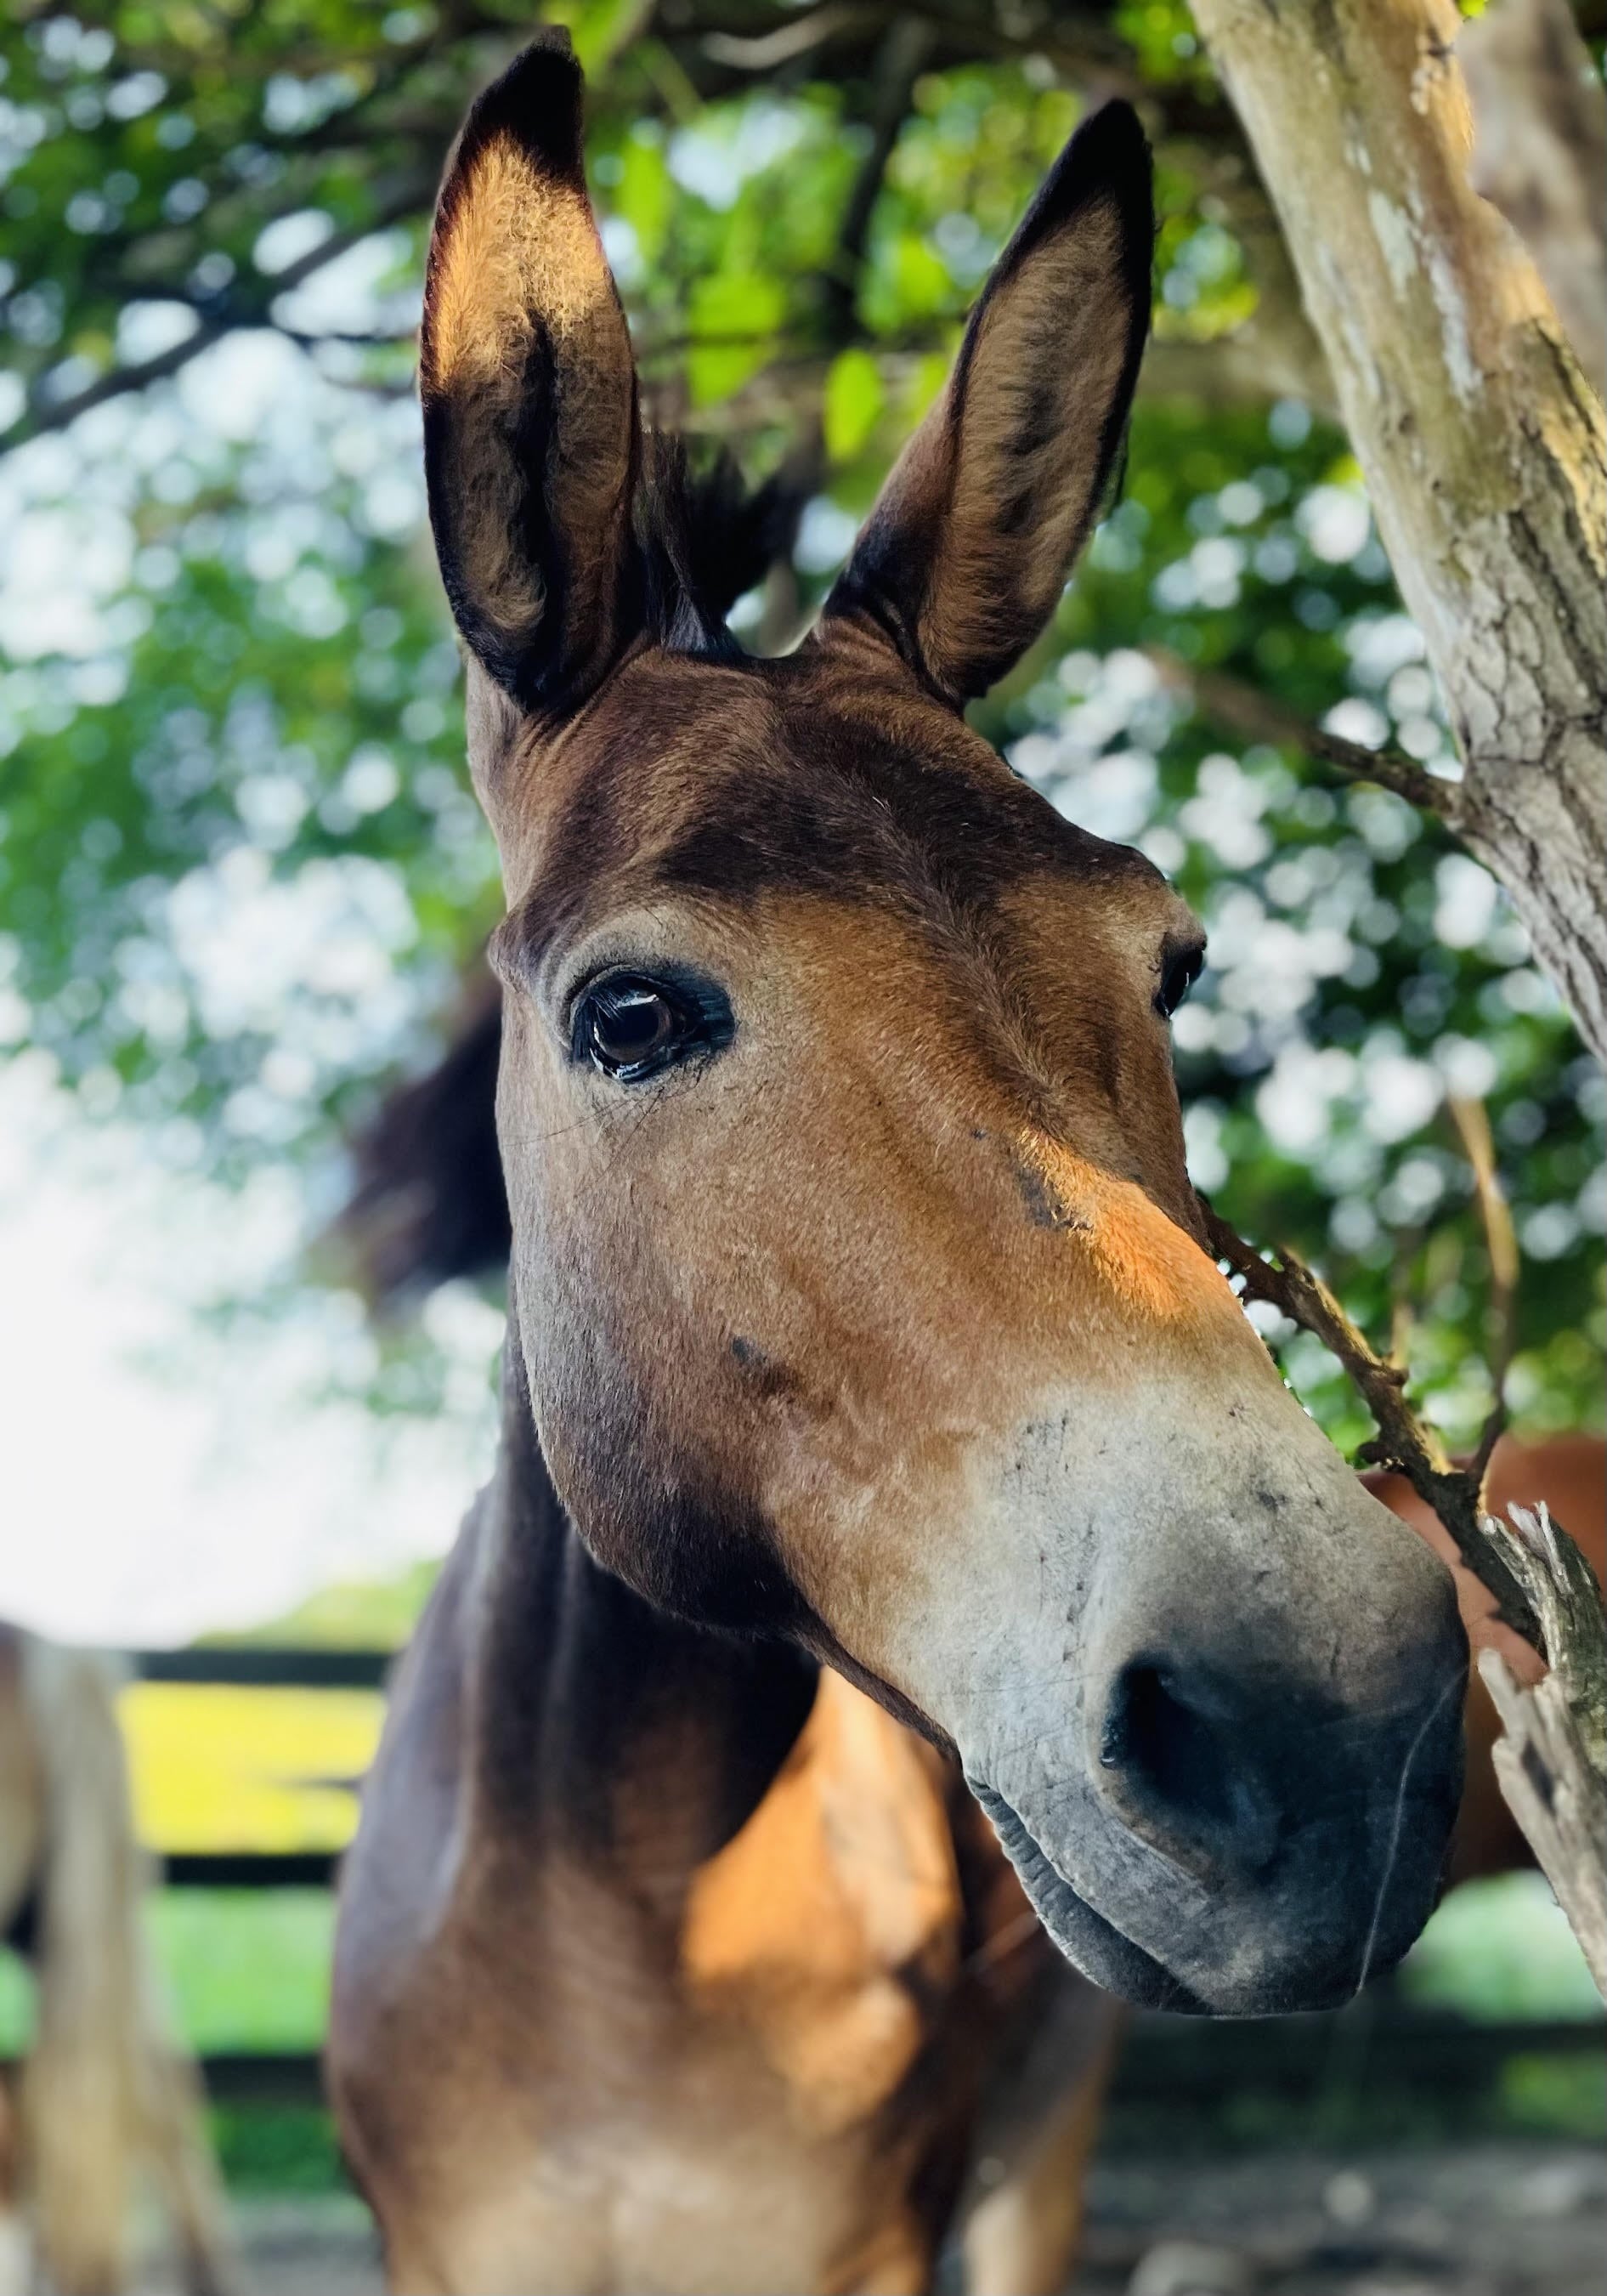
pixel 1186 962
pixel 698 1016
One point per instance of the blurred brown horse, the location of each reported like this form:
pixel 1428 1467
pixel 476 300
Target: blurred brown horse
pixel 104 2092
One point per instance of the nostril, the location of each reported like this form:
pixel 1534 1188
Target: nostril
pixel 1168 1750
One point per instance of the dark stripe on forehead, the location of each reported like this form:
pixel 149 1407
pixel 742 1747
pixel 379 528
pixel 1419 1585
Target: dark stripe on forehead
pixel 659 745
pixel 860 813
pixel 774 781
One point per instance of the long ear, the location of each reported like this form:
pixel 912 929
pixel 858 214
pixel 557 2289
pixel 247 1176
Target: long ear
pixel 974 532
pixel 530 392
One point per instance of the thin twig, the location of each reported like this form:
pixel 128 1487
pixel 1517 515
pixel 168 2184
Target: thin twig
pixel 900 62
pixel 1404 1441
pixel 1472 1122
pixel 1244 710
pixel 316 339
pixel 244 310
pixel 767 52
pixel 43 415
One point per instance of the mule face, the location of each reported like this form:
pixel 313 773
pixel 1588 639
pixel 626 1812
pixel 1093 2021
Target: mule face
pixel 856 1271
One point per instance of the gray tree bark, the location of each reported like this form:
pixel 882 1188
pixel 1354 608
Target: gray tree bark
pixel 1552 1763
pixel 1540 155
pixel 1482 444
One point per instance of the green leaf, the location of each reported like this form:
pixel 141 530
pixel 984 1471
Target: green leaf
pixel 644 196
pixel 734 317
pixel 854 398
pixel 921 278
pixel 601 28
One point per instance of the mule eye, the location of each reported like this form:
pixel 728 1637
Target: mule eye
pixel 628 1026
pixel 1180 968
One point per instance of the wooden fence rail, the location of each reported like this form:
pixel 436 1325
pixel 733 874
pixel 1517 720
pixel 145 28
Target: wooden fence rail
pixel 1165 2060
pixel 1377 2044
pixel 256 1667
pixel 261 1666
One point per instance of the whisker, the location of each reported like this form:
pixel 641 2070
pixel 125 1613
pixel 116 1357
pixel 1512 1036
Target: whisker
pixel 1453 1683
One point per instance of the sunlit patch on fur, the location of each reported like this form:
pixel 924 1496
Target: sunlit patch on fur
pixel 522 322
pixel 1146 1261
pixel 517 245
pixel 857 1822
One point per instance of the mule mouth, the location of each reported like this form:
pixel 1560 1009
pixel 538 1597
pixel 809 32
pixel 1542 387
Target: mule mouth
pixel 1325 1975
pixel 1096 1945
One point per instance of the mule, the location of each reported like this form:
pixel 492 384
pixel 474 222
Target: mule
pixel 431 1209
pixel 860 1320
pixel 106 2091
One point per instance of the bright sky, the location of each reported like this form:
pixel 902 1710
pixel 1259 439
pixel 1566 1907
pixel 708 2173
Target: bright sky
pixel 160 1475
pixel 156 1480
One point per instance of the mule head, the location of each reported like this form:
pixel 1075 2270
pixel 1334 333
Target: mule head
pixel 858 1281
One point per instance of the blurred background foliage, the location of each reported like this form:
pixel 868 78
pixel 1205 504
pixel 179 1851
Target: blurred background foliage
pixel 242 873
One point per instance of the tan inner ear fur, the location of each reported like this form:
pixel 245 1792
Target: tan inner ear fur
pixel 516 245
pixel 517 249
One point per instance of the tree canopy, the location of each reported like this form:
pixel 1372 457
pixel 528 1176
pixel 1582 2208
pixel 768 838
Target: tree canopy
pixel 241 870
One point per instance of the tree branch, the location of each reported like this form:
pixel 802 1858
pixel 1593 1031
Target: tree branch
pixel 1540 155
pixel 714 49
pixel 1243 710
pixel 1471 1120
pixel 1483 448
pixel 1404 1441
pixel 1552 1762
pixel 903 55
pixel 233 314
pixel 43 415
pixel 765 51
pixel 1249 367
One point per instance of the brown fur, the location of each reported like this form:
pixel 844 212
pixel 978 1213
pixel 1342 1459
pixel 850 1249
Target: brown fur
pixel 833 1973
pixel 770 1981
pixel 867 1328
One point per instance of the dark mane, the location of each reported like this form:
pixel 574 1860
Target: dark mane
pixel 430 1203
pixel 704 538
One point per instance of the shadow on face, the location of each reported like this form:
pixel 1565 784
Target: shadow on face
pixel 858 1278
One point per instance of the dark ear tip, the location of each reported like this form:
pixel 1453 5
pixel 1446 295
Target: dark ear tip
pixel 1115 126
pixel 537 100
pixel 1108 157
pixel 1108 150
